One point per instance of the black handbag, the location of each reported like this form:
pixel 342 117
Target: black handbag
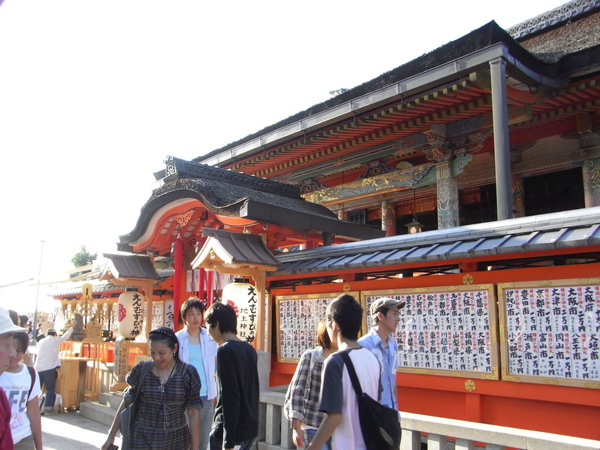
pixel 130 412
pixel 379 423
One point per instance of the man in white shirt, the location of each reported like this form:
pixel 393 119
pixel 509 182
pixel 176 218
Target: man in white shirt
pixel 197 348
pixel 48 361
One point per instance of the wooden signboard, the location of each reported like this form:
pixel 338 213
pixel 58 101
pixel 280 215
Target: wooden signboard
pixel 297 319
pixel 169 313
pixel 449 330
pixel 158 314
pixel 550 331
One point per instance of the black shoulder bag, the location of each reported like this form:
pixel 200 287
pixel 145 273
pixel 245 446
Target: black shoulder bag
pixel 379 423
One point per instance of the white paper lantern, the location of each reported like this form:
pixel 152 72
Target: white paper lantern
pixel 243 297
pixel 131 313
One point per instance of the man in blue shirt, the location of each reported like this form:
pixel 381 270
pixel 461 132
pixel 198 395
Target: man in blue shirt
pixel 381 340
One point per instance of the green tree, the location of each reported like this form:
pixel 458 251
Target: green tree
pixel 82 258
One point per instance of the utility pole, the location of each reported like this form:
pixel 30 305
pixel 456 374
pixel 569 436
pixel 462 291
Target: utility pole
pixel 37 299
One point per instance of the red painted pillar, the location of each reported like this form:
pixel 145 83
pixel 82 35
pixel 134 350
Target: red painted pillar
pixel 388 218
pixel 179 280
pixel 201 287
pixel 202 277
pixel 210 287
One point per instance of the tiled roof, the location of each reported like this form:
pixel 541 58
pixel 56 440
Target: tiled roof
pixel 575 228
pixel 75 288
pixel 131 266
pixel 233 194
pixel 98 286
pixel 545 61
pixel 236 248
pixel 225 192
pixel 566 13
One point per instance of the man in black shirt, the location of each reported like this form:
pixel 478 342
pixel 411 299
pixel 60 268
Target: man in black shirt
pixel 236 414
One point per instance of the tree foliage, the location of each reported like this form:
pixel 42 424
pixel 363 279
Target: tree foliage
pixel 82 258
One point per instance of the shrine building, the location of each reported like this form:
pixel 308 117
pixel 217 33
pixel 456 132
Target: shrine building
pixel 466 181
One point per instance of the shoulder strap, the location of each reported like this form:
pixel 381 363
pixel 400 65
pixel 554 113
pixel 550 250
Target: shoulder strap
pixel 144 369
pixel 32 374
pixel 352 373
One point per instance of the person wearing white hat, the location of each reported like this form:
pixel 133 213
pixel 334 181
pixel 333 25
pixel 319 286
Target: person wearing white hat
pixel 385 312
pixel 7 350
pixel 48 360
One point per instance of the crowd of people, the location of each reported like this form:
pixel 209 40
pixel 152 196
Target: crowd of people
pixel 320 401
pixel 201 388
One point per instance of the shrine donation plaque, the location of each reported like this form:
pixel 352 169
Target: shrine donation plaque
pixel 298 317
pixel 447 330
pixel 550 331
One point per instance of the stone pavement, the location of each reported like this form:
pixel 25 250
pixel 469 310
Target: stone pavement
pixel 72 431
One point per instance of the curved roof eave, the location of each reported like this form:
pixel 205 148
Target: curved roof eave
pixel 223 198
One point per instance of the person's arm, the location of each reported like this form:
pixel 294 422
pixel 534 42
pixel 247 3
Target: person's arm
pixel 69 332
pixel 227 369
pixel 296 394
pixel 325 431
pixel 194 417
pixel 298 386
pixel 115 426
pixel 331 400
pixel 128 398
pixel 395 373
pixel 35 420
pixel 297 434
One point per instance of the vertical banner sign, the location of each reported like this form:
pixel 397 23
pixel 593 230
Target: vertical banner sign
pixel 157 314
pixel 169 314
pixel 122 352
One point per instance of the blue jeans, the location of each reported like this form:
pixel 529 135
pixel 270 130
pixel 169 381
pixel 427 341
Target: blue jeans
pixel 48 378
pixel 309 435
pixel 207 413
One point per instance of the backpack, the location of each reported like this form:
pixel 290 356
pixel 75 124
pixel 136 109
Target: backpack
pixel 32 374
pixel 379 423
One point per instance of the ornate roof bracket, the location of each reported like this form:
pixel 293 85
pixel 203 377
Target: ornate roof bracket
pixel 421 175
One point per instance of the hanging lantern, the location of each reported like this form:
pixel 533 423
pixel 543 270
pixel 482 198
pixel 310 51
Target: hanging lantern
pixel 130 313
pixel 243 297
pixel 414 226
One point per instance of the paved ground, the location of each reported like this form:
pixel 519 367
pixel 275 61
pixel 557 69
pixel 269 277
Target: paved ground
pixel 71 431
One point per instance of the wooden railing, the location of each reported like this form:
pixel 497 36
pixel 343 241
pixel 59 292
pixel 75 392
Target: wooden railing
pixel 436 432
